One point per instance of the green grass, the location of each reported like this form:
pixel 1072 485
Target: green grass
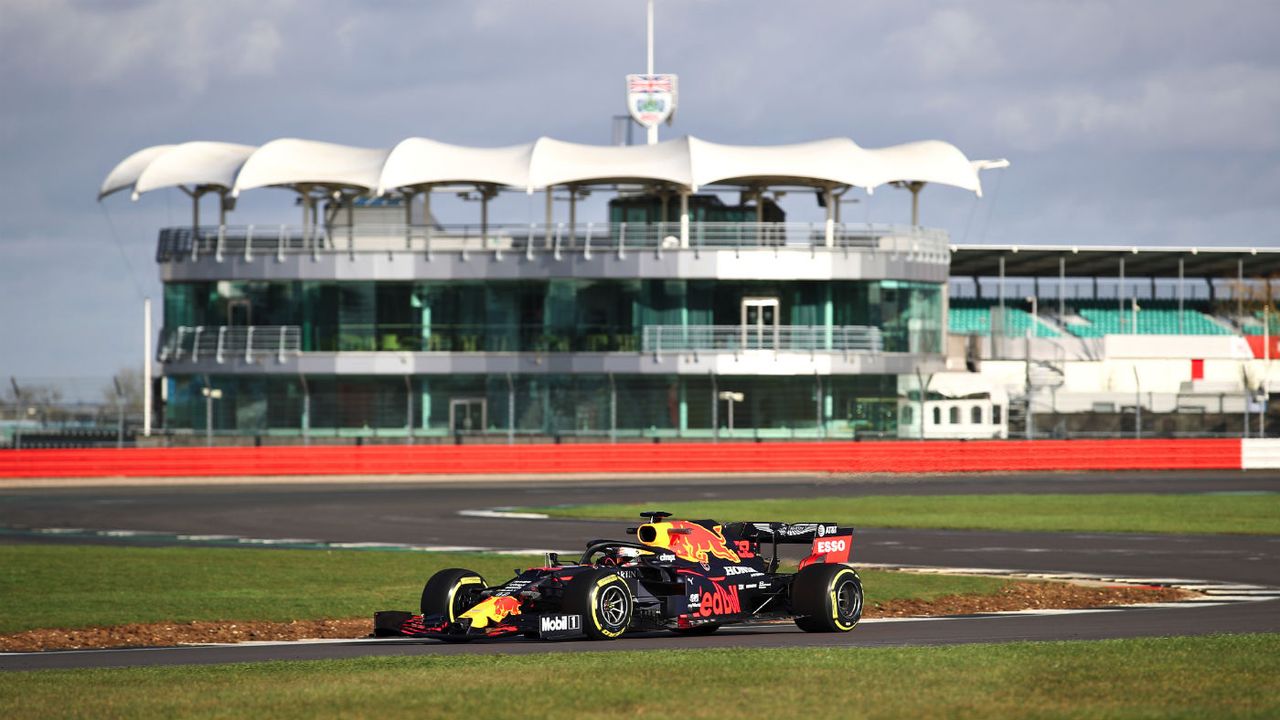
pixel 1236 514
pixel 1219 676
pixel 45 586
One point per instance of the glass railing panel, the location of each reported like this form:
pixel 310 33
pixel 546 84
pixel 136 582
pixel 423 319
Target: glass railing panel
pixel 183 243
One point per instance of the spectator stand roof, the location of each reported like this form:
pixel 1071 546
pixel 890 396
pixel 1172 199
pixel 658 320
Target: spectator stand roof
pixel 1104 260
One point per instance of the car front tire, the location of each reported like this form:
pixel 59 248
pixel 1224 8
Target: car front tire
pixel 603 600
pixel 451 592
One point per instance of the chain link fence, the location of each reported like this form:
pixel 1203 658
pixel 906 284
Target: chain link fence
pixel 48 412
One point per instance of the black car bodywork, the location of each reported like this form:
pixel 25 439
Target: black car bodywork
pixel 678 575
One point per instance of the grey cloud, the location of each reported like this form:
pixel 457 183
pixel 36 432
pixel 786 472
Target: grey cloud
pixel 1135 121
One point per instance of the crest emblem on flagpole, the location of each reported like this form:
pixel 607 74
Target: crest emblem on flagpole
pixel 651 99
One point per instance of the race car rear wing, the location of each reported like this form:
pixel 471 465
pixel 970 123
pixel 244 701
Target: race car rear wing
pixel 784 533
pixel 829 542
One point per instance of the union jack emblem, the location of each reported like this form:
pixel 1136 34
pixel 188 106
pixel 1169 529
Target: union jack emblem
pixel 651 98
pixel 648 83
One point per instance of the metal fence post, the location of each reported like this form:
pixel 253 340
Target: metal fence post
pixel 715 410
pixel 511 406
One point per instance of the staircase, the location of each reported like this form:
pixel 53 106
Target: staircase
pixel 1044 374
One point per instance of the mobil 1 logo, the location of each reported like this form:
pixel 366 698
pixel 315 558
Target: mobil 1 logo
pixel 553 626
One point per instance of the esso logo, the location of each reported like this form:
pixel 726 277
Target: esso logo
pixel 832 546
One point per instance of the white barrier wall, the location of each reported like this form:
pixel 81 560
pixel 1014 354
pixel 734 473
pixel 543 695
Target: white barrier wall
pixel 1225 347
pixel 1258 454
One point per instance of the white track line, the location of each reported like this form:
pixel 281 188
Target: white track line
pixel 505 514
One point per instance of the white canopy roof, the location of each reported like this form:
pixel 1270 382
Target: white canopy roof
pixel 556 162
pixel 417 162
pixel 292 163
pixel 421 161
pixel 126 173
pixel 210 164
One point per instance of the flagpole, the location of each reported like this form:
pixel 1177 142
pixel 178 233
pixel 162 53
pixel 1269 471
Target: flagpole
pixel 653 130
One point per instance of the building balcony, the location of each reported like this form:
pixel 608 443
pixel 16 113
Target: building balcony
pixel 703 249
pixel 251 241
pixel 390 350
pixel 778 338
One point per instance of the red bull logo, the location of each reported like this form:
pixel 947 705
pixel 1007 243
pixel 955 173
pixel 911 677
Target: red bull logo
pixel 688 541
pixel 492 611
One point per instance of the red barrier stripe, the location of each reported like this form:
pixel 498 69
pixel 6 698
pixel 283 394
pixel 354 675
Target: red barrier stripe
pixel 822 457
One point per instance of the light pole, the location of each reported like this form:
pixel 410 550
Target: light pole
pixel 119 412
pixel 731 397
pixel 1137 403
pixel 1029 388
pixel 210 394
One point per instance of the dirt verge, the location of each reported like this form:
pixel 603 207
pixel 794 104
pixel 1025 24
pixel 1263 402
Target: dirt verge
pixel 1018 595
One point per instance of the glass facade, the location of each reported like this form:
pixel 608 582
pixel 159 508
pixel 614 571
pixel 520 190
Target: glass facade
pixel 550 405
pixel 567 315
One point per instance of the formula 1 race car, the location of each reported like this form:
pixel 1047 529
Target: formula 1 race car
pixel 689 577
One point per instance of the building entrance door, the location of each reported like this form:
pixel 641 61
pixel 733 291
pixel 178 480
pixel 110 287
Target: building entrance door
pixel 760 323
pixel 467 415
pixel 239 313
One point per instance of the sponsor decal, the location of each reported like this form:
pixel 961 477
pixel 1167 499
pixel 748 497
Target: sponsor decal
pixel 511 587
pixel 559 623
pixel 720 601
pixel 740 570
pixel 492 611
pixel 666 557
pixel 692 542
pixel 836 549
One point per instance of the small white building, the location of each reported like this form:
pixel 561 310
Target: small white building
pixel 955 406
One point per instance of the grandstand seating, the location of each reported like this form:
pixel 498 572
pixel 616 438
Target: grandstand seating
pixel 1254 325
pixel 1153 319
pixel 967 317
pixel 973 317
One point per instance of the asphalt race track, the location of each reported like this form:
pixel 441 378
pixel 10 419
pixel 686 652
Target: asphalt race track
pixel 428 515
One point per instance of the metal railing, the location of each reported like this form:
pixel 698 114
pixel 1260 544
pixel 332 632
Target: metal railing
pixel 223 342
pixel 257 241
pixel 785 338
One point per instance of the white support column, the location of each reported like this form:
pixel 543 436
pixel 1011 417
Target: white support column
pixel 1181 278
pixel 573 214
pixel 351 225
pixel 408 219
pixel 1062 287
pixel 1120 292
pixel 426 216
pixel 146 367
pixel 195 212
pixel 546 228
pixel 684 219
pixel 830 234
pixel 484 217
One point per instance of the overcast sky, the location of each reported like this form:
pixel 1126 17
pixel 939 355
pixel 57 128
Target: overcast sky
pixel 1126 122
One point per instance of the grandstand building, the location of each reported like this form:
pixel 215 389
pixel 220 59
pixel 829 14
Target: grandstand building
pixel 695 309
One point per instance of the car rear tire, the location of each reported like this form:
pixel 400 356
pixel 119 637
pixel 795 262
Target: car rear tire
pixel 603 600
pixel 827 598
pixel 451 592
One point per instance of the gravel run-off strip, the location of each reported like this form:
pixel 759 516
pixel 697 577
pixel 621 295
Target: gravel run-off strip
pixel 1016 595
